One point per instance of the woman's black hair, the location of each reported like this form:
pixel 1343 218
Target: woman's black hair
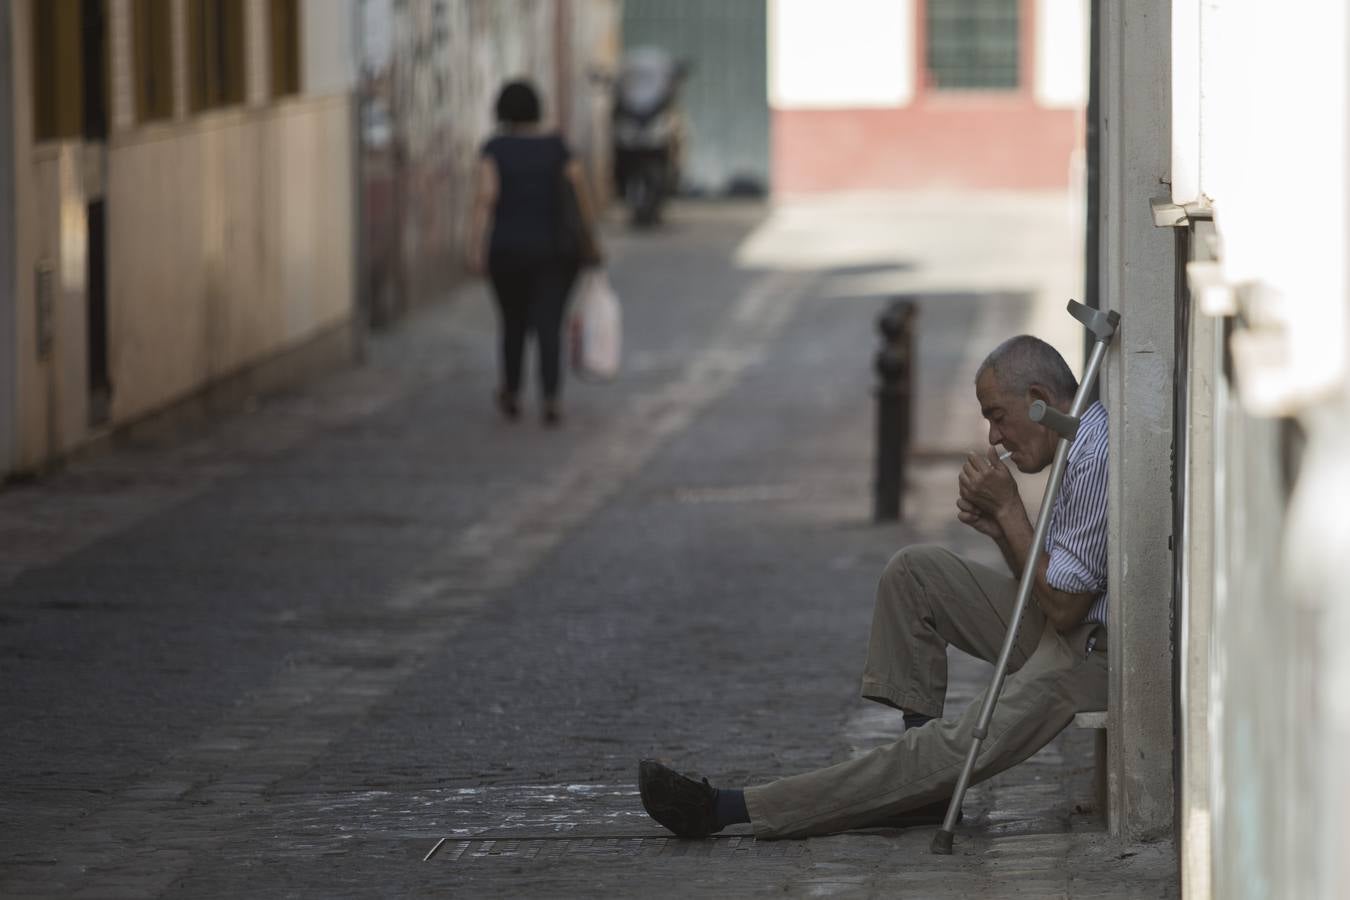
pixel 518 104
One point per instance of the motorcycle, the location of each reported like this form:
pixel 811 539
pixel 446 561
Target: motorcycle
pixel 649 130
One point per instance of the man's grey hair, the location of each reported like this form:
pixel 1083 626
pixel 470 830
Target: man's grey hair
pixel 1019 362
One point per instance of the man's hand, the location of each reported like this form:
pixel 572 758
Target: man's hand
pixel 987 486
pixel 989 502
pixel 968 514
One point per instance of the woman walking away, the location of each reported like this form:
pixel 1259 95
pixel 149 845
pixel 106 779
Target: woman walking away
pixel 531 237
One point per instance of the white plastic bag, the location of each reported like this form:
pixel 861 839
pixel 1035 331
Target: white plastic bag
pixel 596 327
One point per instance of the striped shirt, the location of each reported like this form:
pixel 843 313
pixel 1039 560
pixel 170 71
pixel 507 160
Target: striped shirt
pixel 1076 543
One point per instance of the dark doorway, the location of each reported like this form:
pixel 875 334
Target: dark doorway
pixel 94 51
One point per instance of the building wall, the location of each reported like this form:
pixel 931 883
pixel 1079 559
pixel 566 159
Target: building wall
pixel 328 46
pixel 49 251
pixel 8 285
pixel 1261 115
pixel 852 110
pixel 247 254
pixel 591 39
pixel 1138 280
pixel 230 232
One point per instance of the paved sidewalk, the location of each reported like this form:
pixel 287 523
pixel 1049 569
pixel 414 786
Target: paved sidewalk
pixel 286 654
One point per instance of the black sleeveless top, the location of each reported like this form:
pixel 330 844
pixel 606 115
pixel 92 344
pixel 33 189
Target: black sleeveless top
pixel 526 222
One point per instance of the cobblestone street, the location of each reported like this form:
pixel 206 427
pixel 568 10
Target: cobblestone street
pixel 287 652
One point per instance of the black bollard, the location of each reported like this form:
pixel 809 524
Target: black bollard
pixel 894 365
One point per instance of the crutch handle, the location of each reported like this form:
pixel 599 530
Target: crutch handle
pixel 1065 425
pixel 1101 324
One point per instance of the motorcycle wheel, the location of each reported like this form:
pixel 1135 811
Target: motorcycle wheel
pixel 643 194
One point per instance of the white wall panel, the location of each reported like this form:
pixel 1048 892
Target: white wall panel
pixel 1275 146
pixel 1061 53
pixel 847 54
pixel 1185 101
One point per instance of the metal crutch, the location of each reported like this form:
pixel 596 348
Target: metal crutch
pixel 1102 326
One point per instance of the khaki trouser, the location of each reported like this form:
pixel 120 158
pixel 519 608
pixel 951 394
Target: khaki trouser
pixel 928 598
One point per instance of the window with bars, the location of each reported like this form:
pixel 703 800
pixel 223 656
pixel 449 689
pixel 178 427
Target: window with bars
pixel 973 44
pixel 284 23
pixel 152 39
pixel 215 53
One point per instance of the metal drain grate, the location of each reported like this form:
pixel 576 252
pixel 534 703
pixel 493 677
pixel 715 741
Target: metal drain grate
pixel 552 849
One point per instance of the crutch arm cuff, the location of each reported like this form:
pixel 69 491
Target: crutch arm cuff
pixel 1064 425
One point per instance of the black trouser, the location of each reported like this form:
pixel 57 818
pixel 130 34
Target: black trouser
pixel 532 298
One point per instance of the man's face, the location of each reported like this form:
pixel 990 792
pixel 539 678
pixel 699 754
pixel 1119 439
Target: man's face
pixel 1032 445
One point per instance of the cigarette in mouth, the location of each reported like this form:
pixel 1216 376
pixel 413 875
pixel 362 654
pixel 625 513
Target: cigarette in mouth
pixel 1005 454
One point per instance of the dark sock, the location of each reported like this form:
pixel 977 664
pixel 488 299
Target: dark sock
pixel 729 807
pixel 916 720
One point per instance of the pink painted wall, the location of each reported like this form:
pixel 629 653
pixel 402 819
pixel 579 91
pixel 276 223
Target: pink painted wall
pixel 987 144
pixel 972 139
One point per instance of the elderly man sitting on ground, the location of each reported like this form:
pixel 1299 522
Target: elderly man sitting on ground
pixel 928 598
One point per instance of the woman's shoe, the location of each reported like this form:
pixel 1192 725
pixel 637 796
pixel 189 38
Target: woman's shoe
pixel 552 414
pixel 508 405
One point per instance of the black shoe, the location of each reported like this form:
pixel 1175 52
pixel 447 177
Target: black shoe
pixel 507 405
pixel 685 806
pixel 932 814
